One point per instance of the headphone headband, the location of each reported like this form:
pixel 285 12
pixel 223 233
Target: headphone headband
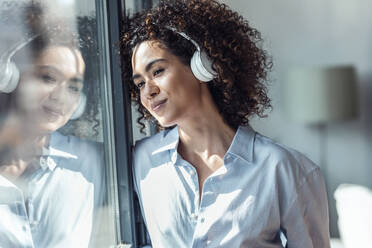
pixel 185 36
pixel 201 63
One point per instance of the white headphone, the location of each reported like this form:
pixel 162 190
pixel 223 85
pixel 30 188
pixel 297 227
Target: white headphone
pixel 10 75
pixel 79 111
pixel 201 63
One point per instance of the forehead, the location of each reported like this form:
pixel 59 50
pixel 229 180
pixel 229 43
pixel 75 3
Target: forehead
pixel 67 60
pixel 147 51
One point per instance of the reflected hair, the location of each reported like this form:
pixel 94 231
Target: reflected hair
pixel 61 33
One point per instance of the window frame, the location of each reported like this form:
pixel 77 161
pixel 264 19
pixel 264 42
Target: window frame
pixel 110 16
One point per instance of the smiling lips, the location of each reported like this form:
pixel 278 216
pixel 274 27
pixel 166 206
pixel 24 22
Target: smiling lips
pixel 155 106
pixel 52 111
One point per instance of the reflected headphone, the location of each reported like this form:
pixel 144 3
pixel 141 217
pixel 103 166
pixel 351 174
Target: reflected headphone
pixel 200 63
pixel 10 75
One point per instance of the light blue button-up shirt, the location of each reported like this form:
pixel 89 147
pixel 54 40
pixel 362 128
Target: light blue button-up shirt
pixel 56 208
pixel 264 193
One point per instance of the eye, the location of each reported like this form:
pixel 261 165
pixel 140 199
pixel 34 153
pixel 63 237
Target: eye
pixel 74 89
pixel 158 71
pixel 140 84
pixel 48 78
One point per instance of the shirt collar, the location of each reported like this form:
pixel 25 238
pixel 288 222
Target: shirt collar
pixel 243 143
pixel 241 146
pixel 170 140
pixel 53 153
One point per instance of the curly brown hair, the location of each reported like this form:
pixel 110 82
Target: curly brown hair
pixel 239 91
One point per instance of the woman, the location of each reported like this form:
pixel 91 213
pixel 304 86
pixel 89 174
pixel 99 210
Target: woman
pixel 49 187
pixel 208 179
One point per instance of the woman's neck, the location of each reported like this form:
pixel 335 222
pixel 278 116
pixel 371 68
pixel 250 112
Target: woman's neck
pixel 19 145
pixel 206 140
pixel 15 131
pixel 204 132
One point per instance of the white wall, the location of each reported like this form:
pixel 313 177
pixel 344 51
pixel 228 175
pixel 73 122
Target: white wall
pixel 319 32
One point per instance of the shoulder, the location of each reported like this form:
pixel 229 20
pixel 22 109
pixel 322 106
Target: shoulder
pixel 287 168
pixel 80 161
pixel 74 145
pixel 282 157
pixel 74 153
pixel 291 172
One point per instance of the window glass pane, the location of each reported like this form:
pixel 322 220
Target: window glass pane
pixel 58 183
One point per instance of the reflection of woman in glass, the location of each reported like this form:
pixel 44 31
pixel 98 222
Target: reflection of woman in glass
pixel 209 180
pixel 50 184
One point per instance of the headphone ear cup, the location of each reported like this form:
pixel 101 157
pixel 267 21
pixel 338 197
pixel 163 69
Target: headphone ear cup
pixel 9 77
pixel 80 107
pixel 201 66
pixel 201 63
pixel 9 73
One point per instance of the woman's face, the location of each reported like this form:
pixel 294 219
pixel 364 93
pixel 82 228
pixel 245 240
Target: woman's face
pixel 49 89
pixel 168 89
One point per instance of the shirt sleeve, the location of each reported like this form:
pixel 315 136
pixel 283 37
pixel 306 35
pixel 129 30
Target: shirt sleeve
pixel 306 222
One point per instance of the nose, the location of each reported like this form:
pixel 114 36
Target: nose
pixel 58 94
pixel 151 90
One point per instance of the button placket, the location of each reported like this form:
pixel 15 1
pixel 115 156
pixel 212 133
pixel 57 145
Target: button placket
pixel 30 203
pixel 43 162
pixel 174 157
pixel 208 242
pixel 194 217
pixel 197 200
pixel 21 209
pixel 51 163
pixel 202 219
pixel 31 212
pixel 191 174
pixel 22 212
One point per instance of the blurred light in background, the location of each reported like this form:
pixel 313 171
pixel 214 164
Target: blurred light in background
pixel 318 95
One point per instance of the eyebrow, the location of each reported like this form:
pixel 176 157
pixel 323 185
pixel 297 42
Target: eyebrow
pixel 77 80
pixel 148 67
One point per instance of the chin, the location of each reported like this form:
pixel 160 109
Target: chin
pixel 165 122
pixel 168 120
pixel 47 130
pixel 49 127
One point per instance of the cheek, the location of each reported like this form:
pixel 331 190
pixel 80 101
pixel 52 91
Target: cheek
pixel 30 94
pixel 144 102
pixel 71 103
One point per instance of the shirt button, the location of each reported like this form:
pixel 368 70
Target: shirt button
pixel 51 162
pixel 228 158
pixel 34 224
pixel 42 162
pixel 194 216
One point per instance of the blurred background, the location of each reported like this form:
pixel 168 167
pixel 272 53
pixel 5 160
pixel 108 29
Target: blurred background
pixel 321 34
